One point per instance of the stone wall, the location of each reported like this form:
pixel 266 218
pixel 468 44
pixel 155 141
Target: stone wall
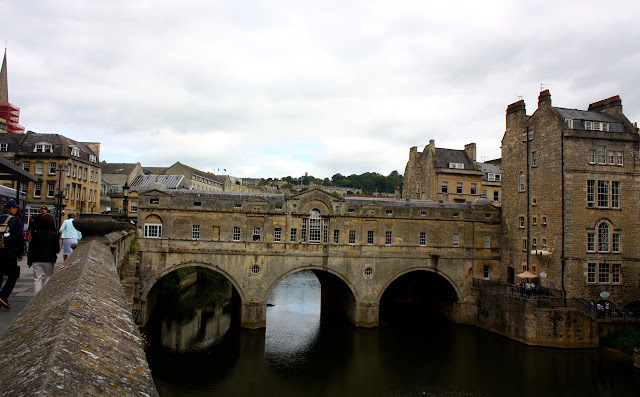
pixel 521 319
pixel 76 336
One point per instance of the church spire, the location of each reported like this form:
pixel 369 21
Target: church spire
pixel 4 87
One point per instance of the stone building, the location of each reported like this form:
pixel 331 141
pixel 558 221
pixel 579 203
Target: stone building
pixel 491 181
pixel 62 164
pixel 450 175
pixel 114 176
pixel 198 180
pixel 570 199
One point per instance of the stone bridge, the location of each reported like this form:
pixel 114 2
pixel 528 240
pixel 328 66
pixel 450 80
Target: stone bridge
pixel 357 247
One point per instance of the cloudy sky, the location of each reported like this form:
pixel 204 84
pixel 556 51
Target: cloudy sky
pixel 276 88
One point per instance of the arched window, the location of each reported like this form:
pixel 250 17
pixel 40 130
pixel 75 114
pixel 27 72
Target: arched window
pixel 521 185
pixel 314 226
pixel 153 227
pixel 603 237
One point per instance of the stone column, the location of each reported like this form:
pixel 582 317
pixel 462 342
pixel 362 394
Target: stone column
pixel 365 315
pixel 253 315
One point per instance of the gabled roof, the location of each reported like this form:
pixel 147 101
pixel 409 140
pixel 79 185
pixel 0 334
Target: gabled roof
pixel 153 170
pixel 117 168
pixel 446 156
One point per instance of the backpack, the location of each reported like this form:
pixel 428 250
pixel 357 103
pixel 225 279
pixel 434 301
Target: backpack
pixel 4 230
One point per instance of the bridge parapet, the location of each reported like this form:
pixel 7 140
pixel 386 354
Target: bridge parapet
pixel 76 336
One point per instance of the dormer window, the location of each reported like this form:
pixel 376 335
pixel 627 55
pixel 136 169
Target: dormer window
pixel 43 147
pixel 596 126
pixel 494 177
pixel 569 122
pixel 459 166
pixel 75 151
pixel 93 158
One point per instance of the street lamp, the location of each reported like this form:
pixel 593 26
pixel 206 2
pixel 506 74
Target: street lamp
pixel 125 202
pixel 59 206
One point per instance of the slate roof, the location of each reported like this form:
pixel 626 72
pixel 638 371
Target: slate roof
pixel 229 195
pixel 487 168
pixel 117 168
pixel 60 144
pixel 153 170
pixel 615 125
pixel 13 140
pixel 446 156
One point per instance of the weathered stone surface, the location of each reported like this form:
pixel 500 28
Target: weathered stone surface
pixel 76 337
pixel 521 319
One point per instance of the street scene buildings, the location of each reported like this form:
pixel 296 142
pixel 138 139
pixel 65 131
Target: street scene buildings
pixel 565 191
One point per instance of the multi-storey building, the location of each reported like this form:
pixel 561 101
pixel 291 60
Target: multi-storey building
pixel 449 176
pixel 570 198
pixel 197 180
pixel 114 176
pixel 63 166
pixel 491 181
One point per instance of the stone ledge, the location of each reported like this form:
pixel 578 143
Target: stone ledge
pixel 76 337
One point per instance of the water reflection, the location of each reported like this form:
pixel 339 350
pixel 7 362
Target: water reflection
pixel 205 328
pixel 293 322
pixel 299 355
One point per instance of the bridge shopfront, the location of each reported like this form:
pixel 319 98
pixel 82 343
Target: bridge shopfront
pixel 357 247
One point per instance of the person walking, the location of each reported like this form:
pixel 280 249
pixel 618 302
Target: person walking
pixel 70 235
pixel 35 221
pixel 43 251
pixel 12 252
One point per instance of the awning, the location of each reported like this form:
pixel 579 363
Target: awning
pixel 11 172
pixel 527 274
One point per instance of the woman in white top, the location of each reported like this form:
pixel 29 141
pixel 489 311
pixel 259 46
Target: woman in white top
pixel 70 235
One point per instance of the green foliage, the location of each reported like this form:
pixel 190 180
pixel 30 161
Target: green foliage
pixel 369 182
pixel 134 246
pixel 625 341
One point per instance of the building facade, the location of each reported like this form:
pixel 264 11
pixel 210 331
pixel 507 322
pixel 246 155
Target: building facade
pixel 571 208
pixel 197 180
pixel 63 166
pixel 450 176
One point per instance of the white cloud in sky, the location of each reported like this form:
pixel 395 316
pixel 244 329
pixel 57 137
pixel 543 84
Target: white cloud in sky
pixel 277 88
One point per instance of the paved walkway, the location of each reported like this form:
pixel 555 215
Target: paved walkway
pixel 22 293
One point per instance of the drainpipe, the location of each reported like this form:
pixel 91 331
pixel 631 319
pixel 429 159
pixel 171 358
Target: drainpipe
pixel 562 258
pixel 528 189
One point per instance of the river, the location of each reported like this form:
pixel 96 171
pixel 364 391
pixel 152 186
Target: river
pixel 303 354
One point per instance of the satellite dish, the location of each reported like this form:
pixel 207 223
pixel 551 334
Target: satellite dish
pixel 543 275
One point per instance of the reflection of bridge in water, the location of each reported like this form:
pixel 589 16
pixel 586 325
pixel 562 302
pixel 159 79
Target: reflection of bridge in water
pixel 426 253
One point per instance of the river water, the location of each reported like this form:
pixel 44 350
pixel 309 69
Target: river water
pixel 303 354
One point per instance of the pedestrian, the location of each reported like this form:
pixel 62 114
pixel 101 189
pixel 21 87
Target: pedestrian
pixel 70 235
pixel 590 306
pixel 43 251
pixel 35 221
pixel 522 288
pixel 12 252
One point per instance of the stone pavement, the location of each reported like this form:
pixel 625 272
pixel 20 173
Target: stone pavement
pixel 23 292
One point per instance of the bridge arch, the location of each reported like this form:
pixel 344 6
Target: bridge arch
pixel 417 269
pixel 284 275
pixel 158 275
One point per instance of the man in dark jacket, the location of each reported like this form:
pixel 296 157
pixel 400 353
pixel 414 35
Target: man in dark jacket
pixel 11 253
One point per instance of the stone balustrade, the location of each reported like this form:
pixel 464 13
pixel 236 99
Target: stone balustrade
pixel 76 336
